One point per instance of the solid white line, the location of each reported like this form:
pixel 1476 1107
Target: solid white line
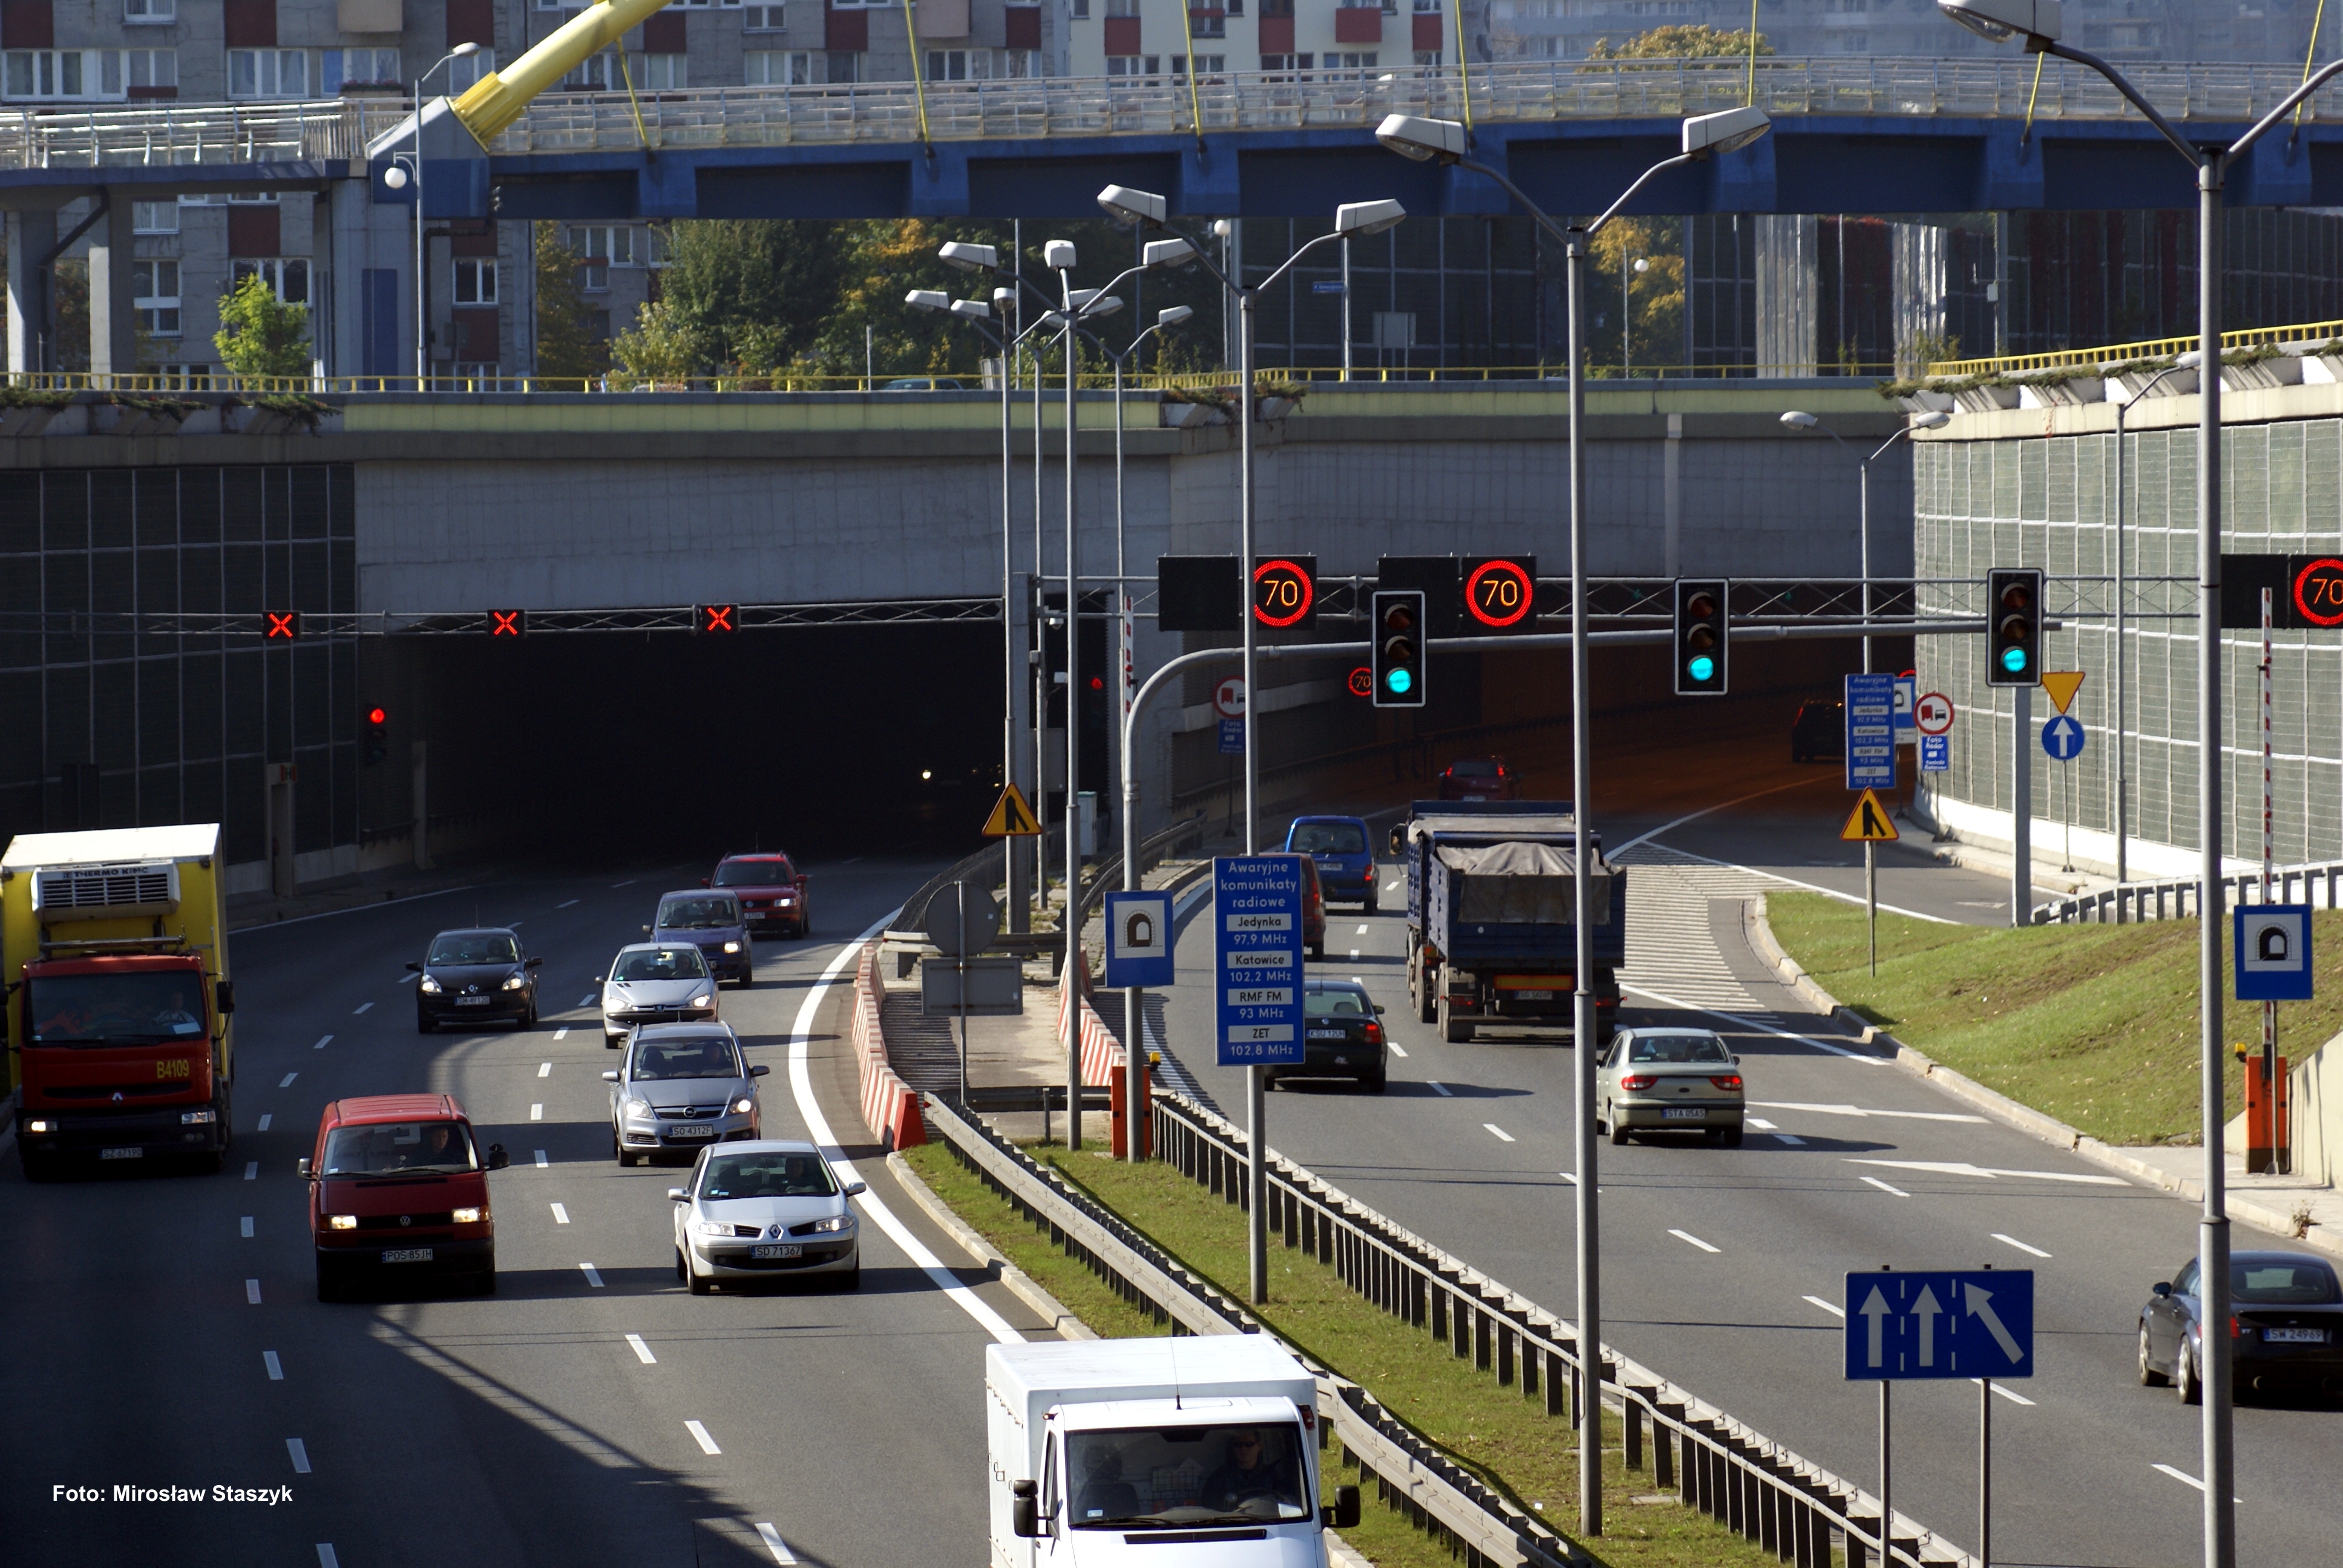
pixel 1884 1186
pixel 2182 1475
pixel 1738 1021
pixel 544 1069
pixel 251 1170
pixel 322 1043
pixel 1440 1089
pixel 287 1082
pixel 2021 1246
pixel 247 1224
pixel 2005 1393
pixel 300 1453
pixel 361 1007
pixel 818 1128
pixel 773 1543
pixel 565 906
pixel 642 1352
pixel 1397 1049
pixel 326 1558
pixel 1696 816
pixel 700 1435
pixel 537 1113
pixel 560 1215
pixel 1793 1143
pixel 593 1275
pixel 252 1292
pixel 1500 1132
pixel 540 1159
pixel 1859 1110
pixel 1833 1311
pixel 1695 1240
pixel 1809 887
pixel 276 1368
pixel 561 1033
pixel 266 1117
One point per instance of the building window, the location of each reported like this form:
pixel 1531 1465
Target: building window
pixel 762 19
pixel 155 285
pixel 947 65
pixel 1122 8
pixel 267 74
pixel 181 378
pixel 288 275
pixel 595 74
pixel 154 217
pixel 70 73
pixel 1134 65
pixel 148 13
pixel 1433 8
pixel 845 66
pixel 659 73
pixel 1208 24
pixel 1016 63
pixel 1081 12
pixel 783 68
pixel 340 68
pixel 151 73
pixel 871 4
pixel 1206 64
pixel 475 370
pixel 475 280
pixel 466 73
pixel 1350 62
pixel 1287 62
pixel 600 248
pixel 1427 59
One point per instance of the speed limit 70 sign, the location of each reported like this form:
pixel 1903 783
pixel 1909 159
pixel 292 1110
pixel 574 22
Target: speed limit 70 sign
pixel 1933 713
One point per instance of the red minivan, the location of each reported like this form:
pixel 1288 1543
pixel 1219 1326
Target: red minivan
pixel 398 1186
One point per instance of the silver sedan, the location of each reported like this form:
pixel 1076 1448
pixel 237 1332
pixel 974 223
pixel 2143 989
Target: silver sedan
pixel 1669 1081
pixel 683 1088
pixel 764 1209
pixel 655 982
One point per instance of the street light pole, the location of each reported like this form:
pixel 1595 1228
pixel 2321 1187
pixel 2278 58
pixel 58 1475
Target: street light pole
pixel 1798 419
pixel 392 179
pixel 2122 758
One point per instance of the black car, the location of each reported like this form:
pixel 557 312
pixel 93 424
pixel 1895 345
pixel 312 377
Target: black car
pixel 712 921
pixel 1818 731
pixel 2286 1326
pixel 474 977
pixel 1342 1035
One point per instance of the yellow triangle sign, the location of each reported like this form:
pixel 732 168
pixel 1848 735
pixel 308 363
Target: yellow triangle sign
pixel 2062 685
pixel 1012 817
pixel 1868 822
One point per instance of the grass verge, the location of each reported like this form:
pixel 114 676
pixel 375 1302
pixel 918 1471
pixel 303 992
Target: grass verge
pixel 1506 1439
pixel 2095 1025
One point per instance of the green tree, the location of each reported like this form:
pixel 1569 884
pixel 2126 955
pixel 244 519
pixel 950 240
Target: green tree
pixel 565 344
pixel 260 336
pixel 663 346
pixel 740 296
pixel 1655 297
pixel 1690 41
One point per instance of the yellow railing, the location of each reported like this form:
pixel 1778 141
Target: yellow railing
pixel 2123 353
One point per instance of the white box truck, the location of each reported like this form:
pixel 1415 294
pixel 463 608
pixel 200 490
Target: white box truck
pixel 1163 1452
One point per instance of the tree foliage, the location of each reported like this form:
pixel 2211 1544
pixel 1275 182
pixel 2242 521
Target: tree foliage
pixel 1655 297
pixel 259 334
pixel 1688 41
pixel 567 344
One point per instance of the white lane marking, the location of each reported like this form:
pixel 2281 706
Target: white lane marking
pixel 544 1069
pixel 2184 1477
pixel 593 1275
pixel 1992 1172
pixel 1884 1186
pixel 627 883
pixel 247 1224
pixel 252 1292
pixel 2005 1392
pixel 1568 1177
pixel 1695 1240
pixel 326 1558
pixel 565 906
pixel 408 978
pixel 773 1543
pixel 585 1001
pixel 1835 1310
pixel 642 1352
pixel 537 1113
pixel 300 1453
pixel 323 1043
pixel 1865 1112
pixel 700 1435
pixel 818 1127
pixel 1354 952
pixel 287 1082
pixel 1739 1020
pixel 540 1159
pixel 360 1008
pixel 252 931
pixel 561 1033
pixel 1809 887
pixel 251 1170
pixel 1440 1089
pixel 1761 1125
pixel 1704 811
pixel 266 1117
pixel 512 923
pixel 560 1215
pixel 2014 1242
pixel 1794 1141
pixel 1397 1049
pixel 1501 1134
pixel 276 1368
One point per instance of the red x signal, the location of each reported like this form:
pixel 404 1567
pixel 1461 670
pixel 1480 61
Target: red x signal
pixel 507 622
pixel 284 626
pixel 718 617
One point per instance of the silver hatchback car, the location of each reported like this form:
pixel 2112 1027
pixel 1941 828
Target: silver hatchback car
pixel 1661 1079
pixel 684 1087
pixel 762 1209
pixel 655 982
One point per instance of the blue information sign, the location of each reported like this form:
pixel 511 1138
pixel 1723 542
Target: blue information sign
pixel 1971 1323
pixel 1935 754
pixel 1906 690
pixel 1231 736
pixel 2272 951
pixel 1871 732
pixel 2063 738
pixel 1257 959
pixel 1139 939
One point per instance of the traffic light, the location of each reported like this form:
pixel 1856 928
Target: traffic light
pixel 2014 627
pixel 378 733
pixel 716 620
pixel 1399 647
pixel 511 623
pixel 1704 629
pixel 281 624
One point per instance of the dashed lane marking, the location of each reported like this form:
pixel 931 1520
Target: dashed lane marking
pixel 537 1113
pixel 1790 1138
pixel 323 1042
pixel 1761 1125
pixel 266 1117
pixel 2183 1477
pixel 642 1352
pixel 252 1292
pixel 1397 1049
pixel 326 1558
pixel 2014 1242
pixel 1865 1111
pixel 1884 1186
pixel 2008 1394
pixel 251 1170
pixel 627 883
pixel 1832 1308
pixel 561 1033
pixel 560 1215
pixel 360 1008
pixel 287 1082
pixel 1501 1134
pixel 1354 952
pixel 773 1543
pixel 248 1225
pixel 300 1453
pixel 1361 931
pixel 544 1069
pixel 585 1001
pixel 276 1368
pixel 1440 1089
pixel 540 1159
pixel 409 979
pixel 593 1275
pixel 1687 1236
pixel 565 906
pixel 700 1435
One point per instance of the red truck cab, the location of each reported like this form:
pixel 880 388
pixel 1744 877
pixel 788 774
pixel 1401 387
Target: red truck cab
pixel 398 1188
pixel 122 1059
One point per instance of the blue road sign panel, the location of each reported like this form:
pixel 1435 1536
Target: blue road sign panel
pixel 1139 939
pixel 2272 951
pixel 1871 732
pixel 1935 754
pixel 1257 959
pixel 1941 1324
pixel 2063 738
pixel 1326 286
pixel 1907 693
pixel 1233 737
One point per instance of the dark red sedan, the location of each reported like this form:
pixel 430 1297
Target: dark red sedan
pixel 1480 779
pixel 772 893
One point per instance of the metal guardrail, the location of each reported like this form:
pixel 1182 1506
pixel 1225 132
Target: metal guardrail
pixel 2083 360
pixel 2131 902
pixel 1044 107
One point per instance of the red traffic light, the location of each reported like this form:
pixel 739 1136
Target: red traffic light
pixel 718 617
pixel 376 716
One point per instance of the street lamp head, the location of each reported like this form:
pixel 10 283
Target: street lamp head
pixel 1173 315
pixel 1799 420
pixel 1167 252
pixel 463 51
pixel 1125 205
pixel 1057 255
pixel 2001 20
pixel 1222 227
pixel 1003 299
pixel 1725 131
pixel 1425 140
pixel 971 311
pixel 1091 302
pixel 971 258
pixel 1933 419
pixel 928 299
pixel 394 177
pixel 1358 219
pixel 2188 361
pixel 1642 263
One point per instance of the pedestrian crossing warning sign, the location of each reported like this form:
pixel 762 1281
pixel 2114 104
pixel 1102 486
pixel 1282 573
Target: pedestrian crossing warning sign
pixel 1012 818
pixel 1868 822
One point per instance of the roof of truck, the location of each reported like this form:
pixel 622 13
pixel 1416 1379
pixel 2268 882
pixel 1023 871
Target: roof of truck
pixel 112 846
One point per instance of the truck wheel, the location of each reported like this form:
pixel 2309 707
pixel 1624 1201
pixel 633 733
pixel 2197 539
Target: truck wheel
pixel 1451 1030
pixel 37 1167
pixel 1420 991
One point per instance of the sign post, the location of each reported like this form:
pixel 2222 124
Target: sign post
pixel 1871 725
pixel 1257 908
pixel 1932 717
pixel 2063 738
pixel 1138 955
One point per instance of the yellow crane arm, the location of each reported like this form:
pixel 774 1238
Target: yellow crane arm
pixel 497 99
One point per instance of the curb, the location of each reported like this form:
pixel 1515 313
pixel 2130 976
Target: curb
pixel 1020 1284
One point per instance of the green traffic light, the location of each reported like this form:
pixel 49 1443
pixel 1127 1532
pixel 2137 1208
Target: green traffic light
pixel 2013 659
pixel 1399 680
pixel 1702 668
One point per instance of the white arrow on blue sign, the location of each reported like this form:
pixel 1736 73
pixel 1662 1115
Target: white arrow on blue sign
pixel 2063 738
pixel 1976 1323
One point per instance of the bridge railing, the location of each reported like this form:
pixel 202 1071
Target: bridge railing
pixel 1035 108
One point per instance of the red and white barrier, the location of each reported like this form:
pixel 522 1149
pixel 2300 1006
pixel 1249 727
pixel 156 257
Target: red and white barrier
pixel 1102 1054
pixel 890 1106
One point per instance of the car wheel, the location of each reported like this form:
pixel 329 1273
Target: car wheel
pixel 2184 1378
pixel 679 1273
pixel 2148 1376
pixel 486 1285
pixel 528 1019
pixel 1611 1116
pixel 850 1280
pixel 1317 952
pixel 1369 907
pixel 626 1160
pixel 747 976
pixel 1372 1083
pixel 1730 1137
pixel 612 1041
pixel 329 1286
pixel 691 1277
pixel 423 1025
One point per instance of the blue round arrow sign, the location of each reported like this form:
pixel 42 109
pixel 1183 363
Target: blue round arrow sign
pixel 2063 738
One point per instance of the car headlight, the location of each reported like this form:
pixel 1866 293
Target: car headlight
pixel 613 1003
pixel 703 1000
pixel 468 1216
pixel 343 1221
pixel 198 1118
pixel 786 898
pixel 731 947
pixel 743 1106
pixel 631 1106
pixel 712 1227
pixel 832 1225
pixel 38 1125
pixel 429 986
pixel 513 982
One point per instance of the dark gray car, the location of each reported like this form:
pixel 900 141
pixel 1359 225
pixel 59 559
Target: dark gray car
pixel 710 918
pixel 684 1087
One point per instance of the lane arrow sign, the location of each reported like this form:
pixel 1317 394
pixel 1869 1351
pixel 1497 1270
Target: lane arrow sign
pixel 1926 1308
pixel 1878 1311
pixel 1980 1306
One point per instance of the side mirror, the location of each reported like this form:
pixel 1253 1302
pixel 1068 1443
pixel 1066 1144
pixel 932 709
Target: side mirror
pixel 677 1194
pixel 497 1158
pixel 1024 1509
pixel 2161 1289
pixel 530 963
pixel 601 980
pixel 1398 839
pixel 224 995
pixel 760 1069
pixel 1346 1508
pixel 416 969
pixel 856 1189
pixel 646 930
pixel 611 1076
pixel 1381 1008
pixel 304 1169
pixel 803 879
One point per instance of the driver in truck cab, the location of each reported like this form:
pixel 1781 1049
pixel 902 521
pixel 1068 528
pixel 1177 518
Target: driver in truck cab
pixel 1250 1472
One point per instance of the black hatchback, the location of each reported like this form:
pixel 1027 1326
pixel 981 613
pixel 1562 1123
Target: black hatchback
pixel 1818 731
pixel 1341 1036
pixel 474 977
pixel 2286 1326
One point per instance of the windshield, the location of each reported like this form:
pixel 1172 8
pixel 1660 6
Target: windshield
pixel 754 873
pixel 664 963
pixel 1667 1048
pixel 658 1059
pixel 733 1176
pixel 1336 1003
pixel 1329 839
pixel 2304 1283
pixel 474 948
pixel 390 1147
pixel 119 1009
pixel 1184 1475
pixel 699 914
pixel 1475 767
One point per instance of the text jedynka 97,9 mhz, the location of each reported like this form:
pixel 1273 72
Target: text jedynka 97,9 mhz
pixel 1257 959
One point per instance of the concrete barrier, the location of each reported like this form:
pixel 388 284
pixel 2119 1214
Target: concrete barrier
pixel 889 1108
pixel 2317 1086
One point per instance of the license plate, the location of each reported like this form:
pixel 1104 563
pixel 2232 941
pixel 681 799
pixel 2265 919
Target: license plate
pixel 693 1131
pixel 407 1255
pixel 777 1252
pixel 2294 1336
pixel 122 1153
pixel 1693 1114
pixel 1535 995
pixel 1330 1034
pixel 472 1000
